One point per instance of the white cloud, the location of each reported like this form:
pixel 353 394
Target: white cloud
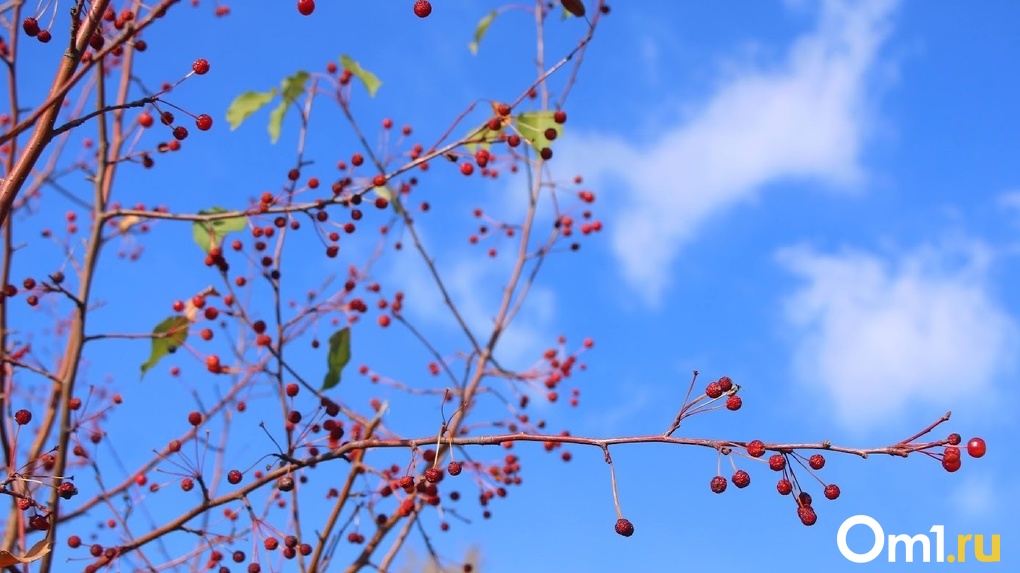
pixel 878 336
pixel 803 118
pixel 1010 201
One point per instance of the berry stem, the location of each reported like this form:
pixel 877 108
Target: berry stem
pixel 612 478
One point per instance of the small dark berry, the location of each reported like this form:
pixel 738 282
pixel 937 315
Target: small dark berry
pixel 624 527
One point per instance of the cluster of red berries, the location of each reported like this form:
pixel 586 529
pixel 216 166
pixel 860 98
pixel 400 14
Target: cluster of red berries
pixel 951 461
pixel 32 30
pixel 291 546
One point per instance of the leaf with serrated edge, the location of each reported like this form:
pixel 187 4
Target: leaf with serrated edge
pixel 370 80
pixel 171 333
pixel 293 86
pixel 532 126
pixel 483 27
pixel 246 104
pixel 208 233
pixel 339 356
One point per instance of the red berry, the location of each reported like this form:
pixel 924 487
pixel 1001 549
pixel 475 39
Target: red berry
pixel 713 390
pixel 831 491
pixel 454 468
pixel 44 36
pixel 816 461
pixel 422 8
pixel 180 132
pixel 807 515
pixel 195 418
pixel 718 484
pixel 466 168
pixel 292 389
pixel 741 479
pixel 201 66
pixel 22 417
pixel 39 522
pixel 756 448
pixel 234 477
pixel 805 498
pixel 503 109
pixel 187 484
pixel 784 486
pixel 74 542
pixel 624 527
pixel 203 122
pixel 145 119
pixel 726 383
pixel 575 7
pixel 433 475
pixel 560 116
pixel 976 447
pixel 951 452
pixel 955 439
pixel 777 462
pixel 951 464
pixel 306 7
pixel 31 27
pixel 67 490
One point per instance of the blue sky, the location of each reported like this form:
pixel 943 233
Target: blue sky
pixel 818 199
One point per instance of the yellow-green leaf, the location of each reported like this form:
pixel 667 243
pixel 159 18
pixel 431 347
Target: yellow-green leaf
pixel 339 356
pixel 482 138
pixel 246 104
pixel 483 27
pixel 293 86
pixel 167 337
pixel 276 120
pixel 209 233
pixel 534 124
pixel 370 80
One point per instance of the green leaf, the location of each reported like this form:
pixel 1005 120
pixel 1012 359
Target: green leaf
pixel 246 104
pixel 533 125
pixel 482 138
pixel 339 356
pixel 276 120
pixel 167 337
pixel 370 80
pixel 387 194
pixel 483 27
pixel 293 86
pixel 209 233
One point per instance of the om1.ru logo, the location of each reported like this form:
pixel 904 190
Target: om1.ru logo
pixel 910 543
